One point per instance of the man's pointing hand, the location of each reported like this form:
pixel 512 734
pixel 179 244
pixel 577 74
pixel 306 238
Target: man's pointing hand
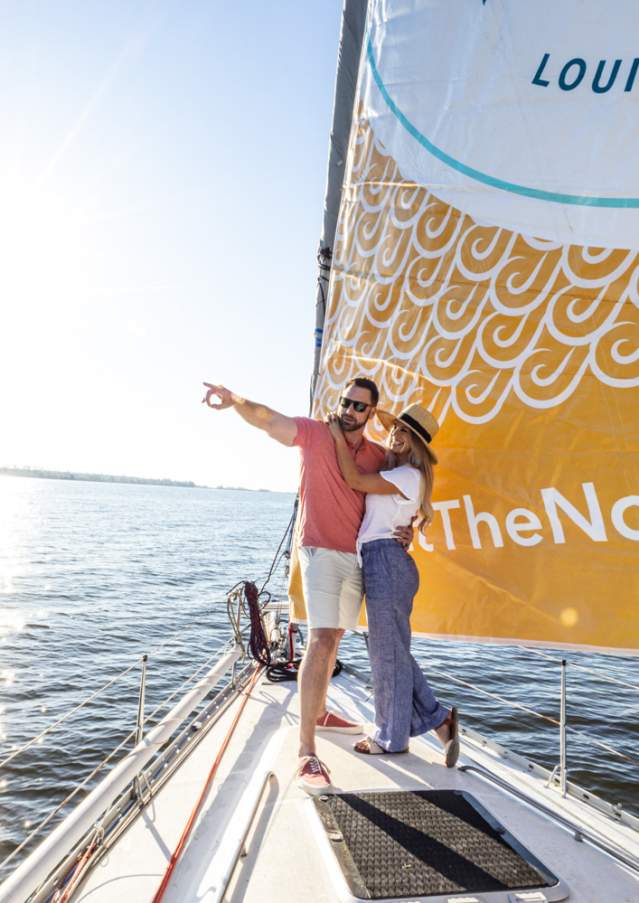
pixel 224 394
pixel 277 426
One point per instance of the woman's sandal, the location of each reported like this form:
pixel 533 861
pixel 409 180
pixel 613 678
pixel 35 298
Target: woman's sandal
pixel 368 747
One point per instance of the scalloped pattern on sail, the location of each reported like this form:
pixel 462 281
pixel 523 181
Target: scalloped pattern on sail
pixel 463 316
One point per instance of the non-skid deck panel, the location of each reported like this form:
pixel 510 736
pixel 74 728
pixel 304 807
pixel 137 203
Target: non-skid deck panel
pixel 423 843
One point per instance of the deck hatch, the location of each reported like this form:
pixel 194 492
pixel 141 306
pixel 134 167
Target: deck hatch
pixel 424 843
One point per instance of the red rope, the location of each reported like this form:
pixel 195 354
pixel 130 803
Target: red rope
pixel 258 641
pixel 61 896
pixel 291 641
pixel 192 817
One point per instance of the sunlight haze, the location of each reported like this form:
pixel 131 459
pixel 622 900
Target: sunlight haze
pixel 162 176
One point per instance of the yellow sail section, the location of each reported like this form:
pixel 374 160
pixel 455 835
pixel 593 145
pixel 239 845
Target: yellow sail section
pixel 525 350
pixel 486 264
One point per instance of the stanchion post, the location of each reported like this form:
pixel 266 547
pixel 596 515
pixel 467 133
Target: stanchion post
pixel 139 733
pixel 562 730
pixel 139 729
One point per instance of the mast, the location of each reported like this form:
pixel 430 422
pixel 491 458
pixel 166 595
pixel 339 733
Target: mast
pixel 348 59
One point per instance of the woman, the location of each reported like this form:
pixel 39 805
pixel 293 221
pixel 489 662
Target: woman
pixel 405 705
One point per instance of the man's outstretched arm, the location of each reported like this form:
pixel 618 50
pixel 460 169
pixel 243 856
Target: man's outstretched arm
pixel 276 425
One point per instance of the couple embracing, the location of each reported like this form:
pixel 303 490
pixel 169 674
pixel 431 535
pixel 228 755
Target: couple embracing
pixel 357 504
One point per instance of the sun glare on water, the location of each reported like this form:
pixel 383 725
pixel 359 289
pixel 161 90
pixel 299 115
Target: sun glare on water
pixel 7 677
pixel 12 502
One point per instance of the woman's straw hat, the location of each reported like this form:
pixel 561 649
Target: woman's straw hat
pixel 418 420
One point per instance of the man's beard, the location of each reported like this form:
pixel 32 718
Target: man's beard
pixel 350 426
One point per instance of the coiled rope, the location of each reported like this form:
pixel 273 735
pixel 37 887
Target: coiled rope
pixel 284 668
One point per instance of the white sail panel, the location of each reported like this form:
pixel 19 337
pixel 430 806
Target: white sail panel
pixel 519 114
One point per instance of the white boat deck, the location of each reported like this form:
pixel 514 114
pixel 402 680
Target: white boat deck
pixel 284 854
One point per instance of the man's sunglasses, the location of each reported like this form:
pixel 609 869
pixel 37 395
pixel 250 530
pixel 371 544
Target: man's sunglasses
pixel 358 406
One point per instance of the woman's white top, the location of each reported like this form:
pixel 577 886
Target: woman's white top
pixel 384 513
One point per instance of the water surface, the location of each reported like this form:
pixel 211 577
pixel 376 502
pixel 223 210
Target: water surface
pixel 92 575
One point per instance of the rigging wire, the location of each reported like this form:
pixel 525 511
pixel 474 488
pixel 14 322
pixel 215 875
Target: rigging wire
pixel 606 677
pixel 245 598
pixel 32 834
pixel 237 600
pixel 249 601
pixel 288 532
pixel 64 718
pixel 258 642
pixel 573 730
pixel 39 737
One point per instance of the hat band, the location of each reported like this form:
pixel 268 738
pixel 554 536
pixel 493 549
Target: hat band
pixel 416 425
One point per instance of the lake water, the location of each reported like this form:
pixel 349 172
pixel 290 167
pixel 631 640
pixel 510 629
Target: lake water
pixel 92 575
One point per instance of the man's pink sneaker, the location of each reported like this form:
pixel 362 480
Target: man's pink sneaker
pixel 313 776
pixel 329 721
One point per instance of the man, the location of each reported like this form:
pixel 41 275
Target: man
pixel 329 519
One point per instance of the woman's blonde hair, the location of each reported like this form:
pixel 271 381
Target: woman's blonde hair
pixel 423 459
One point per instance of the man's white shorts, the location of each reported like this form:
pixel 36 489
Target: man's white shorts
pixel 332 584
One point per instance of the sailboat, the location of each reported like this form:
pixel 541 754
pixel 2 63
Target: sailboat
pixel 479 256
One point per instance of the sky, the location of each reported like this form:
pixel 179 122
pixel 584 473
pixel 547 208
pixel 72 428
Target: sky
pixel 162 175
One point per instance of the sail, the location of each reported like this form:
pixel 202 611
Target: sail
pixel 486 266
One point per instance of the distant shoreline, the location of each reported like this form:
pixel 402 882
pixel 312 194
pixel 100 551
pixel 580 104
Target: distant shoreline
pixel 40 474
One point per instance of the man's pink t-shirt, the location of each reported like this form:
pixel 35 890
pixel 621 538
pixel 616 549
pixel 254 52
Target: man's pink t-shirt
pixel 330 511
